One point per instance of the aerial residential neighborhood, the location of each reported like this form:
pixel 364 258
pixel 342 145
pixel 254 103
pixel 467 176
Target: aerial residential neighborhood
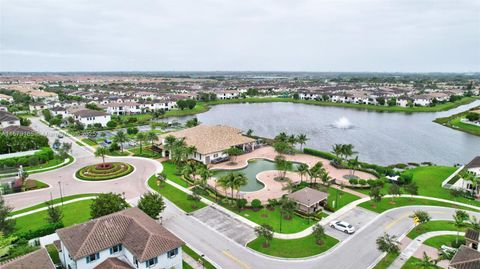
pixel 239 134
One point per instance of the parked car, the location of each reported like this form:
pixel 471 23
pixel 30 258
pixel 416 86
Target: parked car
pixel 108 142
pixel 60 135
pixel 342 226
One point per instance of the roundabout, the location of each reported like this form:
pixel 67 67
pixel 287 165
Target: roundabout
pixel 104 171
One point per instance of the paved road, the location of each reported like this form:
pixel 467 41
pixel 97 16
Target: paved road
pixel 358 251
pixel 133 185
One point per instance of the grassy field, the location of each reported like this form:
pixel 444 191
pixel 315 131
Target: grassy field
pixel 73 213
pixel 386 261
pixel 385 204
pixel 55 201
pixel 433 226
pixel 176 196
pixel 146 152
pixel 439 107
pixel 170 169
pixel 441 240
pixel 343 198
pixel 272 218
pixel 454 122
pixel 89 141
pixel 197 257
pixel 294 248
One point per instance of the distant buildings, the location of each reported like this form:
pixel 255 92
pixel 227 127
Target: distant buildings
pixel 7 119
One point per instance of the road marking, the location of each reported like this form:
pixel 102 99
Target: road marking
pixel 389 225
pixel 235 259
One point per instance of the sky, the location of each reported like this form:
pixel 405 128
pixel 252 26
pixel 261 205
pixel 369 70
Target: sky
pixel 240 35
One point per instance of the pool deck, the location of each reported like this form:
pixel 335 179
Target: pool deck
pixel 274 189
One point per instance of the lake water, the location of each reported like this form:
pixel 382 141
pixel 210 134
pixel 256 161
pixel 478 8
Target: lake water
pixel 379 137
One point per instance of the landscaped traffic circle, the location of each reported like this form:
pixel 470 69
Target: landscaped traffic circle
pixel 104 171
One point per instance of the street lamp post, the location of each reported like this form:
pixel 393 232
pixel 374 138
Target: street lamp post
pixel 61 194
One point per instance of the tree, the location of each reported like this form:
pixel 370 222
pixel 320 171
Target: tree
pixel 120 138
pixel 474 224
pixel 233 152
pixel 282 165
pixel 411 188
pixel 107 203
pixel 471 116
pixel 249 132
pixel 7 225
pixel 325 177
pixel 302 140
pixel 152 137
pixel 427 262
pixel 54 213
pixel 302 169
pixel 388 243
pixel 460 219
pixel 241 203
pixel 376 194
pixel 256 204
pixel 287 207
pixel 65 149
pixel 337 150
pixel 232 181
pixel 204 174
pixel 394 190
pixel 353 163
pixel 101 152
pixel 266 232
pixel 319 233
pixel 140 139
pixel 152 204
pixel 422 216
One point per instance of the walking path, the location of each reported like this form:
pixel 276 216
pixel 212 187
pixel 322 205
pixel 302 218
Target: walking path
pixel 55 205
pixel 416 248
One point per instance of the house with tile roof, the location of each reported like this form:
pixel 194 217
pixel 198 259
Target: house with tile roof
pixel 91 117
pixel 126 239
pixel 8 119
pixel 38 259
pixel 210 141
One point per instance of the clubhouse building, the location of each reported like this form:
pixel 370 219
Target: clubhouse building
pixel 211 142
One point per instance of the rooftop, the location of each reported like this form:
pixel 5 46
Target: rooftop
pixel 473 163
pixel 466 258
pixel 34 260
pixel 82 113
pixel 308 196
pixel 6 116
pixel 132 228
pixel 211 138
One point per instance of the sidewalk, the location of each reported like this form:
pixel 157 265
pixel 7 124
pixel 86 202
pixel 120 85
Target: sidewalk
pixel 55 205
pixel 416 244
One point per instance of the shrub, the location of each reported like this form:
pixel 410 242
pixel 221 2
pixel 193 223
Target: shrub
pixel 132 130
pixel 362 182
pixel 321 154
pixel 241 203
pixel 45 230
pixel 112 124
pixel 256 204
pixel 353 181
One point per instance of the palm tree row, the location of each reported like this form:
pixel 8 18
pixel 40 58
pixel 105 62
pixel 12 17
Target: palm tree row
pixel 232 181
pixel 178 149
pixel 284 143
pixel 316 172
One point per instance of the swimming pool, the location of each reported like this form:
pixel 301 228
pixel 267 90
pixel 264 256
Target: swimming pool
pixel 254 167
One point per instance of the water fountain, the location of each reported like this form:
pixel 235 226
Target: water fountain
pixel 343 123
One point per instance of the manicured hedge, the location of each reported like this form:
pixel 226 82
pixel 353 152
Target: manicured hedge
pixel 321 154
pixel 44 155
pixel 92 173
pixel 45 230
pixel 10 142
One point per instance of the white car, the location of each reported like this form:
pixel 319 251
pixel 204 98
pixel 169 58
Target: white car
pixel 342 226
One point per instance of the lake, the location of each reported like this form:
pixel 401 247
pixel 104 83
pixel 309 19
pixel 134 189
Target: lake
pixel 379 137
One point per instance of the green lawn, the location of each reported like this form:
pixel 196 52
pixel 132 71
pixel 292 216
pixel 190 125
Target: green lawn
pixel 146 152
pixel 454 122
pixel 186 265
pixel 52 251
pixel 118 153
pixel 385 204
pixel 342 199
pixel 197 257
pixel 413 263
pixel 89 141
pixel 73 213
pixel 441 240
pixel 272 218
pixel 294 248
pixel 433 226
pixel 386 261
pixel 55 201
pixel 170 169
pixel 176 196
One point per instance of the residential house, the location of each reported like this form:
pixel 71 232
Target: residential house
pixel 210 141
pixel 126 239
pixel 309 200
pixel 8 119
pixel 227 94
pixel 461 184
pixel 465 258
pixel 4 97
pixel 38 259
pixel 91 117
pixel 422 100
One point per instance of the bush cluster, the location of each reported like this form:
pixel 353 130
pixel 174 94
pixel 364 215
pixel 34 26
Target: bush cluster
pixel 44 155
pixel 11 142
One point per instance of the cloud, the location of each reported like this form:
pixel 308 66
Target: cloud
pixel 302 35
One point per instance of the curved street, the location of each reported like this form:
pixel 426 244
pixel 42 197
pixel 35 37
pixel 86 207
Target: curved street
pixel 355 251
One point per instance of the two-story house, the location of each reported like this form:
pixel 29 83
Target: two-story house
pixel 126 239
pixel 91 117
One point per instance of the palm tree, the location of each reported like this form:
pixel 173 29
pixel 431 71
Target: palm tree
pixel 140 139
pixel 239 180
pixel 227 182
pixel 152 137
pixel 353 163
pixel 315 172
pixel 302 140
pixel 337 150
pixel 302 169
pixel 101 152
pixel 475 225
pixel 325 177
pixel 169 142
pixel 459 219
pixel 427 262
pixel 205 174
pixel 120 138
pixel 347 150
pixel 472 177
pixel 388 243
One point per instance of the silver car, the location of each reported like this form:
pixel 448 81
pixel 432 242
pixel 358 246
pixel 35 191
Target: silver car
pixel 342 226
